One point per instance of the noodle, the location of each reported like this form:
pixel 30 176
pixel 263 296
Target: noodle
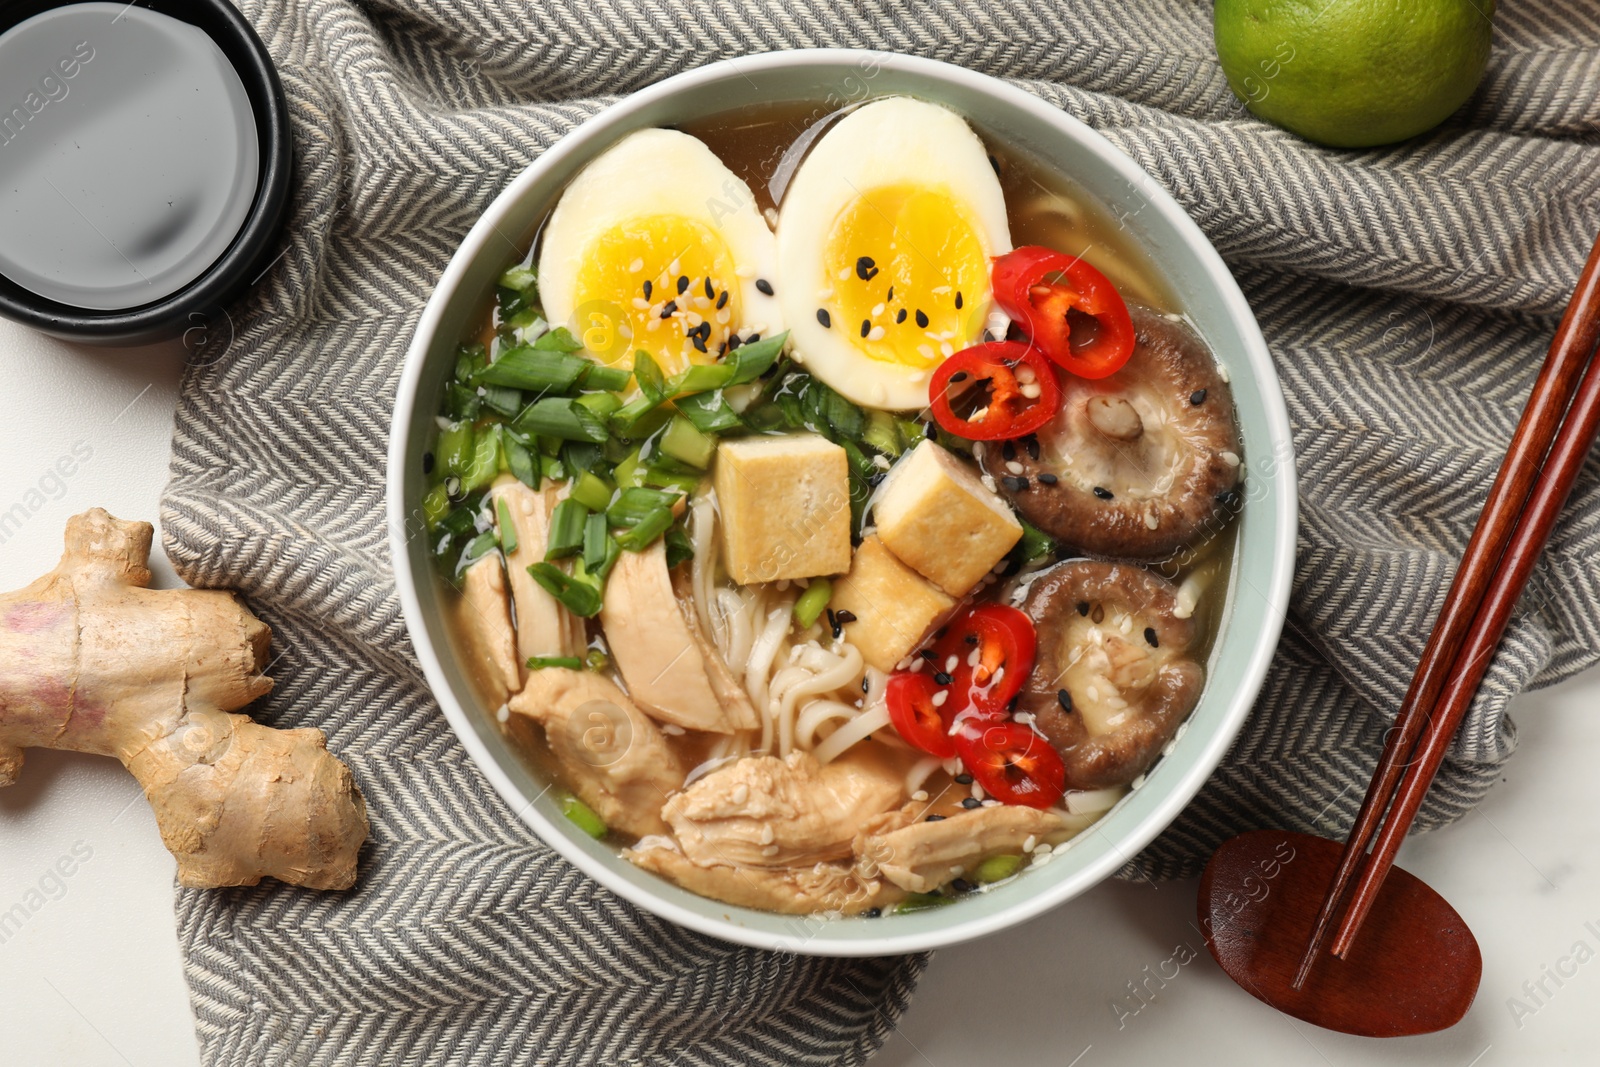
pixel 816 671
pixel 873 719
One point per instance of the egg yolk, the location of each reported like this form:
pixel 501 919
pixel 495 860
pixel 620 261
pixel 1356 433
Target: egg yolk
pixel 908 275
pixel 662 283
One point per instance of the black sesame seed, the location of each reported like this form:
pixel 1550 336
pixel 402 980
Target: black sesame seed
pixel 1011 705
pixel 683 283
pixel 900 316
pixel 669 309
pixel 963 778
pixel 762 285
pixel 1063 697
pixel 876 480
pixel 833 619
pixel 941 678
pixel 959 376
pixel 961 885
pixel 1008 451
pixel 934 818
pixel 752 339
pixel 722 301
pixel 1197 397
pixel 866 268
pixel 922 319
pixel 734 341
pixel 1229 498
pixel 1031 443
pixel 722 349
pixel 971 639
pixel 1083 607
pixel 1150 637
pixel 958 300
pixel 845 616
pixel 872 913
pixel 930 431
pixel 929 654
pixel 865 685
pixel 647 288
pixel 971 802
pixel 1102 493
pixel 890 295
pixel 427 463
pixel 699 343
pixel 1048 479
pixel 866 327
pixel 824 318
pixel 1016 483
pixel 711 290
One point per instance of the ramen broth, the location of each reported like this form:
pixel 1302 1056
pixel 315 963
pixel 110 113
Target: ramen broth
pixel 1043 208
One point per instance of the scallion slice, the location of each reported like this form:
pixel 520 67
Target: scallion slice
pixel 566 529
pixel 535 369
pixel 634 504
pixel 599 376
pixel 595 538
pixel 647 372
pixel 579 595
pixel 508 530
pixel 808 607
pixel 643 533
pixel 561 418
pixel 539 663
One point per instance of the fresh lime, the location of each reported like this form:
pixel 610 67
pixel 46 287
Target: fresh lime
pixel 1353 73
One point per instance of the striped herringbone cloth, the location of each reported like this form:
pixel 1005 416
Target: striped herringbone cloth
pixel 1407 294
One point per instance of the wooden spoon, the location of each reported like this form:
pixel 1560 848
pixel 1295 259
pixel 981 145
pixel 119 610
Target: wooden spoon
pixel 1414 970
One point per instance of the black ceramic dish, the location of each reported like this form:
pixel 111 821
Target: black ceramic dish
pixel 249 253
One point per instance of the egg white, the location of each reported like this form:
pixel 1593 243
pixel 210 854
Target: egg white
pixel 658 172
pixel 893 142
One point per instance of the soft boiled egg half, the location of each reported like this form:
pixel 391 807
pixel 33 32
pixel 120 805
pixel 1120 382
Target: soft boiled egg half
pixel 657 245
pixel 884 240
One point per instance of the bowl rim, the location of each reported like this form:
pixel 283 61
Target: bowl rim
pixel 1254 354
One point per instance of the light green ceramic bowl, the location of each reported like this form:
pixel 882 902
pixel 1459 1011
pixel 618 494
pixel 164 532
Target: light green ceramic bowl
pixel 1195 276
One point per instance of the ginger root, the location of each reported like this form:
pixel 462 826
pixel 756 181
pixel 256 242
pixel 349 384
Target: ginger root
pixel 93 661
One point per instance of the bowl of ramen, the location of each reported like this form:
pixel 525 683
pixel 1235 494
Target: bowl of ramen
pixel 841 502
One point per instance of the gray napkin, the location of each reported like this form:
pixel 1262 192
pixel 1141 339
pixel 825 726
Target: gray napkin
pixel 1407 293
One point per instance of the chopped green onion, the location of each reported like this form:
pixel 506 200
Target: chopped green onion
pixel 535 369
pixel 508 531
pixel 709 412
pixel 519 278
pixel 459 521
pixel 753 360
pixel 484 466
pixel 595 536
pixel 996 869
pixel 521 463
pixel 435 505
pixel 634 504
pixel 470 359
pixel 626 419
pixel 478 548
pixel 579 595
pixel 461 403
pixel 1035 542
pixel 596 660
pixel 566 529
pixel 600 404
pixel 642 534
pixel 559 339
pixel 581 456
pixel 664 478
pixel 552 468
pixel 765 416
pixel 680 547
pixel 808 607
pixel 539 663
pixel 630 472
pixel 921 902
pixel 647 372
pixel 502 399
pixel 847 420
pixel 685 443
pixel 583 816
pixel 592 491
pixel 561 418
pixel 882 434
pixel 700 378
pixel 599 376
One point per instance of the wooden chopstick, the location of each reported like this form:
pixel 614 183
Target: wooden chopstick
pixel 1541 421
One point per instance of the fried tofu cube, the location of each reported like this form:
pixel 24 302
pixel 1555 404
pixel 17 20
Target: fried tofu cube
pixel 938 517
pixel 785 504
pixel 894 607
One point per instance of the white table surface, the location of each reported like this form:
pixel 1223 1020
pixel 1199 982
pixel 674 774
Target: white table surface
pixel 92 976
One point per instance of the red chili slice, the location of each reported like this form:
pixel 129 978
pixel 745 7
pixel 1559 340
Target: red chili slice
pixel 1040 287
pixel 982 383
pixel 909 695
pixel 1005 641
pixel 1012 763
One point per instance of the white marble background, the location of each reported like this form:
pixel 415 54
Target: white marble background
pixel 92 977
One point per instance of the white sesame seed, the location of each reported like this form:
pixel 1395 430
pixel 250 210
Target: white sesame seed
pixel 972 659
pixel 1044 849
pixel 1013 466
pixel 504 714
pixel 672 268
pixel 920 795
pixel 693 319
pixel 1028 843
pixel 823 294
pixel 1031 390
pixel 1025 374
pixel 977 450
pixel 916 376
pixel 641 304
pixel 770 850
pixel 947 349
pixel 916 664
pixel 925 351
pixel 843 274
pixel 672 729
pixel 723 317
pixel 1230 458
pixel 1091 693
pixel 875 334
pixel 740 272
pixel 636 266
pixel 940 697
pixel 941 290
pixel 877 309
pixel 767 834
pixel 988 483
pixel 881 462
